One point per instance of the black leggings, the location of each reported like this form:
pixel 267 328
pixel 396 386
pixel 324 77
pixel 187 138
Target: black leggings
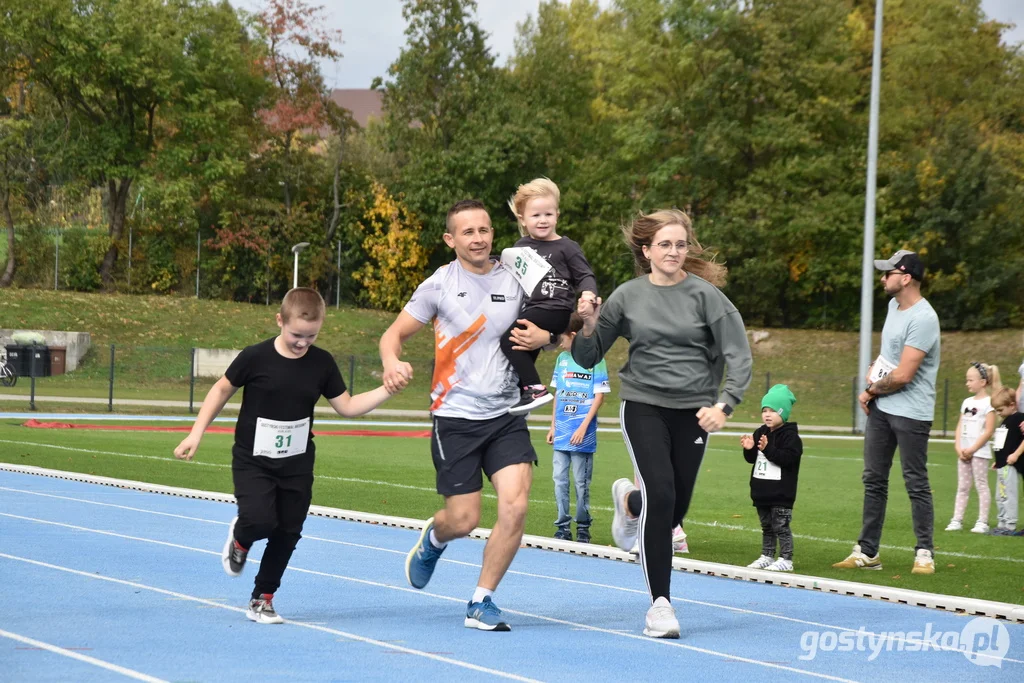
pixel 522 361
pixel 274 508
pixel 666 446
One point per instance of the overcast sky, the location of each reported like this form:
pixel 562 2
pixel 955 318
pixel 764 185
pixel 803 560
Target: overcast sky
pixel 373 32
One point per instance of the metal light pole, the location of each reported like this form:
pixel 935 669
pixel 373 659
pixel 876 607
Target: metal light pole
pixel 337 290
pixel 867 285
pixel 297 249
pixel 198 248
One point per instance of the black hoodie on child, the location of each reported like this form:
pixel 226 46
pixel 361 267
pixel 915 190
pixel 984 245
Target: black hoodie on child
pixel 783 450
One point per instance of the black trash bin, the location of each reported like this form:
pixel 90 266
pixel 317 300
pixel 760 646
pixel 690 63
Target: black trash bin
pixel 17 358
pixel 38 361
pixel 29 361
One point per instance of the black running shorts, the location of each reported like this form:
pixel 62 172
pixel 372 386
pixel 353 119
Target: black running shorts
pixel 463 449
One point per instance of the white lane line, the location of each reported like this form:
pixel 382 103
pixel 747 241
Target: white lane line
pixel 309 625
pixel 540 501
pixel 590 584
pixel 403 589
pixel 137 675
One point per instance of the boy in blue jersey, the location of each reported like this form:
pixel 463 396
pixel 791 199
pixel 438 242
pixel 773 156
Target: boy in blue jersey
pixel 579 393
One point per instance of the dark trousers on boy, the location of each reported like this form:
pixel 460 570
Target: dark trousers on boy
pixel 273 507
pixel 775 529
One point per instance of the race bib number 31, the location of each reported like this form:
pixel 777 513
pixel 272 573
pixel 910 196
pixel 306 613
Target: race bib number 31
pixel 277 439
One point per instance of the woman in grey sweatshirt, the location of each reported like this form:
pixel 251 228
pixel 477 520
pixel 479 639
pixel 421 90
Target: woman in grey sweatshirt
pixel 683 332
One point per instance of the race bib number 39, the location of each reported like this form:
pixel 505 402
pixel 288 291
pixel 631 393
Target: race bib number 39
pixel 766 469
pixel 277 439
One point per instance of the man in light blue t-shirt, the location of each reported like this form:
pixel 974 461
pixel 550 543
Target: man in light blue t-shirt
pixel 900 404
pixel 579 393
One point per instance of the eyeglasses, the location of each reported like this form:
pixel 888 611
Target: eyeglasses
pixel 681 245
pixel 893 272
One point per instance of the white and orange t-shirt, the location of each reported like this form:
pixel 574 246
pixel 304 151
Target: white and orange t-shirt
pixel 472 377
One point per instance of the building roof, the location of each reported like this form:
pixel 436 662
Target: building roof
pixel 364 104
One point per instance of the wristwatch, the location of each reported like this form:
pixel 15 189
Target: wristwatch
pixel 554 338
pixel 725 408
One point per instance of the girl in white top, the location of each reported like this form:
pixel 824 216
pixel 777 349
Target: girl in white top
pixel 973 432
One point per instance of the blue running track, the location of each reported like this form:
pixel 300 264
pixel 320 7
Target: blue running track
pixel 108 584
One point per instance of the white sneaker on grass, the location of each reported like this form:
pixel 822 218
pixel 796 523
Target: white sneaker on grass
pixel 980 527
pixel 661 620
pixel 780 565
pixel 761 563
pixel 623 526
pixel 955 525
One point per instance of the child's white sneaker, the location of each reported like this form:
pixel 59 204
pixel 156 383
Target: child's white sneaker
pixel 780 565
pixel 661 620
pixel 679 544
pixel 955 525
pixel 980 527
pixel 762 562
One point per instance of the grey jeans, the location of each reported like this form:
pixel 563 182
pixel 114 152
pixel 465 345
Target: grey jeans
pixel 883 433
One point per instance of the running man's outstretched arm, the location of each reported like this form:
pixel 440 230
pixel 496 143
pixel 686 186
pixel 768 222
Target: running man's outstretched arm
pixel 214 402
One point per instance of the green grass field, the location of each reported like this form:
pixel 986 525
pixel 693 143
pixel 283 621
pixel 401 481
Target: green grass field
pixel 394 476
pixel 153 336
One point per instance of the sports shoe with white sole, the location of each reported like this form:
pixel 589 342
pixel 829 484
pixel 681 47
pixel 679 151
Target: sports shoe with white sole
pixel 422 559
pixel 485 616
pixel 261 610
pixel 980 527
pixel 661 620
pixel 679 544
pixel 780 565
pixel 858 560
pixel 531 398
pixel 762 562
pixel 623 526
pixel 924 563
pixel 955 525
pixel 233 556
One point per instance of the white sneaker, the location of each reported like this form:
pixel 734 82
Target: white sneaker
pixel 635 550
pixel 780 565
pixel 661 620
pixel 924 563
pixel 679 544
pixel 980 527
pixel 761 563
pixel 954 525
pixel 623 526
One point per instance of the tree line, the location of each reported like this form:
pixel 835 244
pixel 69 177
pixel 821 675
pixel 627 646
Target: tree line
pixel 175 121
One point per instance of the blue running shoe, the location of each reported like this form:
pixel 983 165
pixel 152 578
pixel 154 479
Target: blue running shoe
pixel 421 560
pixel 486 616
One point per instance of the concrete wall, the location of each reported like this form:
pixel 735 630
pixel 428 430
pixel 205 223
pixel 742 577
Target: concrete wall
pixel 77 343
pixel 213 362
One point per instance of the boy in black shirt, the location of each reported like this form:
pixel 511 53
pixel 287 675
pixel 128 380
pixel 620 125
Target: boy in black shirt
pixel 776 461
pixel 1008 445
pixel 272 459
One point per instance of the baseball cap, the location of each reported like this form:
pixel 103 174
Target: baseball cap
pixel 905 261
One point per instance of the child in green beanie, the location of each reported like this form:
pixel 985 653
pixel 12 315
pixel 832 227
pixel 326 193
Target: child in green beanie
pixel 776 465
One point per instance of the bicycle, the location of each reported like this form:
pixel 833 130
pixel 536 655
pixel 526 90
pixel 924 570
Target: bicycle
pixel 8 375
